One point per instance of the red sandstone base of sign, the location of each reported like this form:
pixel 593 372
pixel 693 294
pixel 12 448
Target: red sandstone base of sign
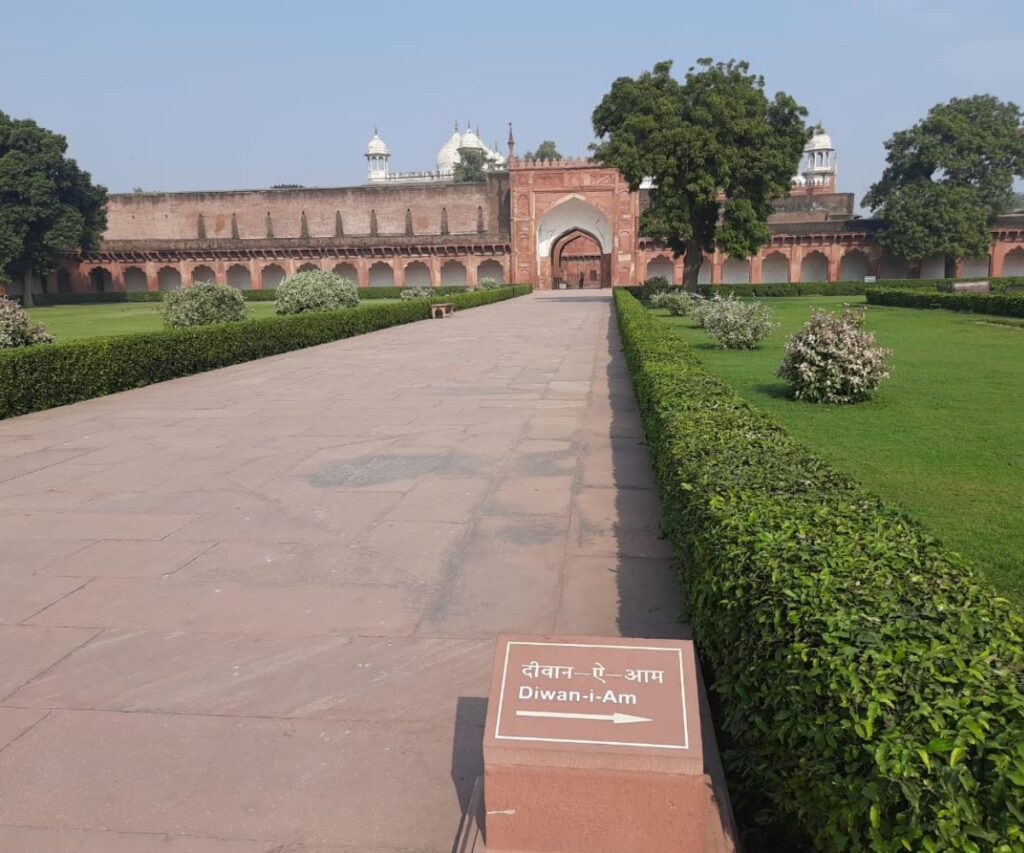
pixel 596 745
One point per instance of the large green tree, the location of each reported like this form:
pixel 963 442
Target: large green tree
pixel 472 166
pixel 547 150
pixel 717 148
pixel 947 177
pixel 48 205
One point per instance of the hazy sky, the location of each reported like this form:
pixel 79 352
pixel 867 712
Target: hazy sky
pixel 218 95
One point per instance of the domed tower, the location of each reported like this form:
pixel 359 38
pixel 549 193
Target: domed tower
pixel 470 140
pixel 819 165
pixel 448 154
pixel 377 157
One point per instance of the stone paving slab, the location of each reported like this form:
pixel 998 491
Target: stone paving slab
pixel 253 611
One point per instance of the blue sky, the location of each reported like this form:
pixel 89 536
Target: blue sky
pixel 217 95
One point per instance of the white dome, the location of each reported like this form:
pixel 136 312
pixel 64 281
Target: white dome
pixel 819 142
pixel 376 147
pixel 470 139
pixel 448 154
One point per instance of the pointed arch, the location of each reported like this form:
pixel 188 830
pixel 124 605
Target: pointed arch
pixel 853 266
pixel 573 212
pixel 1013 264
pixel 814 267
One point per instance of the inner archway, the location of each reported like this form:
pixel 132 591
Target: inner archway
pixel 574 245
pixel 577 261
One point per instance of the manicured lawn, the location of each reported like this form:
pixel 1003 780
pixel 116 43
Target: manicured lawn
pixel 68 322
pixel 944 436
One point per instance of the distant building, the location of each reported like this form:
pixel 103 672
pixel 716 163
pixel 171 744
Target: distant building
pixel 543 222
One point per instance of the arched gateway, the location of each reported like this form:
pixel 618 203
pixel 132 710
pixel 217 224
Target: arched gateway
pixel 574 224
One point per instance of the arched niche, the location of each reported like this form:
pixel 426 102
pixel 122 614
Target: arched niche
pixel 203 273
pixel 453 273
pixel 571 214
pixel 490 269
pixel 775 269
pixel 239 277
pixel 814 267
pixel 168 278
pixel 853 266
pixel 736 271
pixel 135 280
pixel 381 275
pixel 348 272
pixel 417 274
pixel 662 266
pixel 272 275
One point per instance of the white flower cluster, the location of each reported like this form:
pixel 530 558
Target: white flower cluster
pixel 16 329
pixel 416 293
pixel 315 290
pixel 832 359
pixel 203 303
pixel 734 323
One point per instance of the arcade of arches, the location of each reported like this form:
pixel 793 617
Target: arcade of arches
pixel 550 223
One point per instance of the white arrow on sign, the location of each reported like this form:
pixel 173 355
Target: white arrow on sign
pixel 617 719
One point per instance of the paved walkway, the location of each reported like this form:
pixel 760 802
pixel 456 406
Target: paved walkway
pixel 254 610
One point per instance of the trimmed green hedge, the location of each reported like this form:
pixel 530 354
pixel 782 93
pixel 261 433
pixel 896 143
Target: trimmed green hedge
pixel 841 288
pixel 868 688
pixel 48 375
pixel 1001 304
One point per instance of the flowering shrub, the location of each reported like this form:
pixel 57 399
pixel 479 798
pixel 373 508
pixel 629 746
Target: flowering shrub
pixel 833 360
pixel 315 290
pixel 654 285
pixel 679 304
pixel 416 293
pixel 203 303
pixel 489 283
pixel 736 324
pixel 16 329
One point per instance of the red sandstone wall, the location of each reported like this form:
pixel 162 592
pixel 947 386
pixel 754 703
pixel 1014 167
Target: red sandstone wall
pixel 174 216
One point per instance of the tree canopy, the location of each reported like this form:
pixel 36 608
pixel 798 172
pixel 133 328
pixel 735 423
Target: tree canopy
pixel 547 150
pixel 472 166
pixel 717 149
pixel 48 205
pixel 947 177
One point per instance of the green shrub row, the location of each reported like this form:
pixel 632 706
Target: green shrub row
pixel 268 295
pixel 868 688
pixel 1001 304
pixel 47 375
pixel 840 288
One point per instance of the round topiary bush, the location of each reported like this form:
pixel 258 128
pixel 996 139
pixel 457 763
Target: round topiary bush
pixel 315 290
pixel 736 324
pixel 832 359
pixel 202 304
pixel 17 329
pixel 416 293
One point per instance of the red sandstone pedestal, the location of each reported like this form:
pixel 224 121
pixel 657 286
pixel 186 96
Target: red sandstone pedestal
pixel 597 745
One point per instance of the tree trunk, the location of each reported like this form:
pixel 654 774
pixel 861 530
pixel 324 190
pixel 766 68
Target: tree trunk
pixel 950 264
pixel 692 259
pixel 26 295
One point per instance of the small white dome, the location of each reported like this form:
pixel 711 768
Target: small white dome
pixel 819 142
pixel 448 154
pixel 470 139
pixel 376 146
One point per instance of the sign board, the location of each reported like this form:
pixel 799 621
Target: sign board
pixel 596 694
pixel 869 279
